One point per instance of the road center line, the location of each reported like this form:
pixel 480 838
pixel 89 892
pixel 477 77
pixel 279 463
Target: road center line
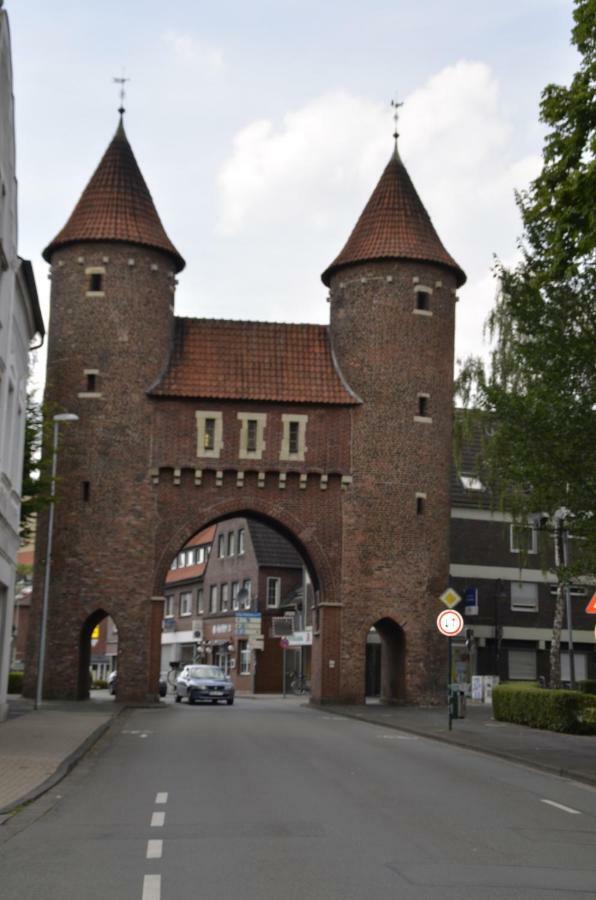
pixel 154 849
pixel 567 809
pixel 151 887
pixel 162 797
pixel 158 819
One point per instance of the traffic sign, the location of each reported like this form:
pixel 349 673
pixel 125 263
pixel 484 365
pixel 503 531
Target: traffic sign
pixel 450 598
pixel 450 622
pixel 591 607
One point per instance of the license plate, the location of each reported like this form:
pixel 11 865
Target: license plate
pixel 215 693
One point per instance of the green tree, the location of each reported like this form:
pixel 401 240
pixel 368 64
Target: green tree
pixel 539 389
pixel 36 470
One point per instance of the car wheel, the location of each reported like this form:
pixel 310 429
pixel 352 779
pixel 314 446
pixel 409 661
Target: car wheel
pixel 230 701
pixel 191 699
pixel 178 698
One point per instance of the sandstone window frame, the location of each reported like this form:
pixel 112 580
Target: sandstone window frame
pixel 252 425
pixel 209 443
pixel 285 452
pixel 422 300
pixel 96 282
pixel 91 385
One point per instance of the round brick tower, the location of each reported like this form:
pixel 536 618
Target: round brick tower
pixel 113 273
pixel 392 298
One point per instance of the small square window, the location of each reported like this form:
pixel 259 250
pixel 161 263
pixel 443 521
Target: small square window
pixel 422 300
pixel 96 281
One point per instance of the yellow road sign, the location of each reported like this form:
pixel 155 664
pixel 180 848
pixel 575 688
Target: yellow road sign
pixel 450 598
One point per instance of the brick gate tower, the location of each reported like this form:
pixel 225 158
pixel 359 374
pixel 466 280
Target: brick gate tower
pixel 392 298
pixel 339 436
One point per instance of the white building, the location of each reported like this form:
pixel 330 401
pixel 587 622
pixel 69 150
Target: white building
pixel 20 322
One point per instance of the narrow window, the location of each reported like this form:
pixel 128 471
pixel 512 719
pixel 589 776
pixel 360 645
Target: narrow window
pixel 231 542
pixel 224 597
pixel 422 300
pixel 420 504
pixel 273 590
pixel 241 542
pixel 86 491
pixel 423 406
pixel 294 437
pixel 235 587
pixel 221 550
pixel 209 434
pixel 213 598
pixel 251 435
pixel 91 382
pixel 200 602
pixel 247 586
pixel 95 281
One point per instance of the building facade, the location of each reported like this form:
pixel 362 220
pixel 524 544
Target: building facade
pixel 20 321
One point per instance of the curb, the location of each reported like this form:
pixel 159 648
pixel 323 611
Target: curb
pixel 498 754
pixel 66 766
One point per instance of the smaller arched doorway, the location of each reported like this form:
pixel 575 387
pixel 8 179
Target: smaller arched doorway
pixel 98 649
pixel 385 669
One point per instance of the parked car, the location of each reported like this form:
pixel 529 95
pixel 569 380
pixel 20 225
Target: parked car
pixel 204 684
pixel 113 684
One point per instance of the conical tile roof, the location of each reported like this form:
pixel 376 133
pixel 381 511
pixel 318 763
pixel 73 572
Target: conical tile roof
pixel 116 206
pixel 394 225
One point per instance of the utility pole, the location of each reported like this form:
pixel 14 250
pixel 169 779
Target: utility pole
pixel 562 558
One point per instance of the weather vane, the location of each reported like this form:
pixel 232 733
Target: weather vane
pixel 396 106
pixel 121 81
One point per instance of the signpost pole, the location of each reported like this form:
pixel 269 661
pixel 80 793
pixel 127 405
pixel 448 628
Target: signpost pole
pixel 283 688
pixel 449 683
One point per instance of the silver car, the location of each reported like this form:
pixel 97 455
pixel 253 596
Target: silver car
pixel 204 684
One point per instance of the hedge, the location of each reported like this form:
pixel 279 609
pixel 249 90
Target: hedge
pixel 527 704
pixel 587 687
pixel 15 683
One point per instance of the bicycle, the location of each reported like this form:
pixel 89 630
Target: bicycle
pixel 298 683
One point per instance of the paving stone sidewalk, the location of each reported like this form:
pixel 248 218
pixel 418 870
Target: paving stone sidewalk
pixel 570 755
pixel 38 747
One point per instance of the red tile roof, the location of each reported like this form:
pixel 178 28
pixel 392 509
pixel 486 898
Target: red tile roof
pixel 116 206
pixel 394 225
pixel 202 537
pixel 268 361
pixel 186 573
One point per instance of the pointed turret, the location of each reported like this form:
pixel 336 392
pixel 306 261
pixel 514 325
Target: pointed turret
pixel 394 225
pixel 116 206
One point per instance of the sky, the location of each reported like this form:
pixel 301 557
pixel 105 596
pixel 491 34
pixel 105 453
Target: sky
pixel 262 128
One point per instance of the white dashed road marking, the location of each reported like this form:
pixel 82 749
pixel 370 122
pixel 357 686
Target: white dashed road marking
pixel 398 737
pixel 567 809
pixel 154 849
pixel 151 887
pixel 162 797
pixel 158 819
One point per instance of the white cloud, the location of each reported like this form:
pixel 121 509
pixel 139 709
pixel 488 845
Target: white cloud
pixel 308 178
pixel 192 51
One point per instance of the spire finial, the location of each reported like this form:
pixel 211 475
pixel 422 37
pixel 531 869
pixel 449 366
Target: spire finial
pixel 396 105
pixel 121 81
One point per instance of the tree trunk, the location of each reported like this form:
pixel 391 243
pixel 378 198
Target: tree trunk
pixel 555 647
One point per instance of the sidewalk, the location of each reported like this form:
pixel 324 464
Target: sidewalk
pixel 570 755
pixel 37 748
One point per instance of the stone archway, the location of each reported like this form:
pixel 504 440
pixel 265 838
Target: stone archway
pixel 84 676
pixel 385 669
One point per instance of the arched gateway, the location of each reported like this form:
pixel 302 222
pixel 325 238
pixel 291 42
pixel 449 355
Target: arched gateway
pixel 338 435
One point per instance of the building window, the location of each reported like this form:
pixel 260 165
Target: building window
pixel 244 654
pixel 247 586
pixel 190 557
pixel 235 589
pixel 221 546
pixel 471 483
pixel 181 559
pixel 241 542
pixel 213 598
pixel 252 435
pixel 293 439
pixel 420 504
pixel 273 591
pixel 209 433
pixel 95 281
pixel 174 564
pixel 169 606
pixel 86 491
pixel 524 596
pixel 522 665
pixel 523 539
pixel 423 405
pixel 231 542
pixel 200 554
pixel 225 589
pixel 200 602
pixel 422 300
pixel 91 385
pixel 95 285
pixel 186 603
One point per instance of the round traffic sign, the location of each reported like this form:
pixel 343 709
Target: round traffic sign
pixel 450 622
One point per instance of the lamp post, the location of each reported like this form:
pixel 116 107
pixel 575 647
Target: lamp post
pixel 562 559
pixel 60 417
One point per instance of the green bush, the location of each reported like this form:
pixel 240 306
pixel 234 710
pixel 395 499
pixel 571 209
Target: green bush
pixel 15 683
pixel 99 684
pixel 527 704
pixel 587 687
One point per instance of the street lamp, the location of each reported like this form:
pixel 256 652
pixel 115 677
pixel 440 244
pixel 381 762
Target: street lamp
pixel 57 419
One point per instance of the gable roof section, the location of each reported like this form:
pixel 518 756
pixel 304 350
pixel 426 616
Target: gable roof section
pixel 272 548
pixel 394 225
pixel 267 361
pixel 116 206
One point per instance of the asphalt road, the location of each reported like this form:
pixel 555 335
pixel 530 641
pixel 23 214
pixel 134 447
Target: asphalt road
pixel 272 799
